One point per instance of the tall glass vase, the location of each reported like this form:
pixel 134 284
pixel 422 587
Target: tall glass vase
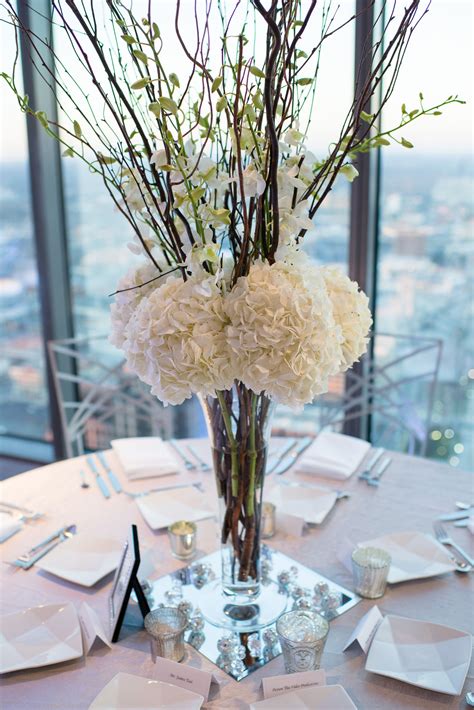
pixel 238 423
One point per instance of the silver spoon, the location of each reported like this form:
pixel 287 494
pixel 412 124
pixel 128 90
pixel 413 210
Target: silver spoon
pixel 470 699
pixel 84 483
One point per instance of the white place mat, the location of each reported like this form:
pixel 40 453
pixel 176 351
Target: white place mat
pixel 415 555
pixel 9 525
pixel 310 504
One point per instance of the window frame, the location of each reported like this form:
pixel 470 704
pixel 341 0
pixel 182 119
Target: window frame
pixel 49 215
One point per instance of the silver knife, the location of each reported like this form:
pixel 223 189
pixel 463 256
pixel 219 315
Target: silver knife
pixel 36 553
pixel 112 477
pixel 459 515
pixel 290 459
pixel 100 481
pixel 65 529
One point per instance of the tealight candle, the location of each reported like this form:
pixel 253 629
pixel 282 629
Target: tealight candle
pixel 268 520
pixel 302 635
pixel 182 536
pixel 370 566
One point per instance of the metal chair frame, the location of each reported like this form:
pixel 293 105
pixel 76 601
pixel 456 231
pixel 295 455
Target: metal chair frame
pixel 366 395
pixel 115 398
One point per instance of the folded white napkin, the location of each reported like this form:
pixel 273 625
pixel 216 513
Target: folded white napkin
pixel 9 525
pixel 163 508
pixel 145 457
pixel 333 456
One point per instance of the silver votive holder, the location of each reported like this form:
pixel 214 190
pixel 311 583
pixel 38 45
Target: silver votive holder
pixel 302 635
pixel 182 536
pixel 268 527
pixel 166 627
pixel 370 566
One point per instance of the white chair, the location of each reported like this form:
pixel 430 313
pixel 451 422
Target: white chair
pixel 393 386
pixel 98 399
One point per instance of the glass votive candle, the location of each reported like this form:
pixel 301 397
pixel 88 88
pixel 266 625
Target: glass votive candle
pixel 268 520
pixel 370 566
pixel 182 535
pixel 166 627
pixel 302 635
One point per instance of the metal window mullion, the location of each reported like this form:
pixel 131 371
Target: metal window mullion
pixel 47 202
pixel 364 197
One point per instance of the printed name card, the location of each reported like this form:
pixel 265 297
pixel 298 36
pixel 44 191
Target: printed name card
pixel 92 628
pixel 344 553
pixel 185 676
pixel 280 684
pixel 289 524
pixel 365 630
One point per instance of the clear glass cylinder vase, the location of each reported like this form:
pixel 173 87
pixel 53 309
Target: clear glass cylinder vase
pixel 238 423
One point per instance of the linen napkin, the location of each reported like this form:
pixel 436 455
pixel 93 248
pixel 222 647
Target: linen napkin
pixel 9 525
pixel 163 508
pixel 145 457
pixel 333 456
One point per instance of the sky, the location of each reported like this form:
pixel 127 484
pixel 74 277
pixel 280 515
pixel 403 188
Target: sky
pixel 439 62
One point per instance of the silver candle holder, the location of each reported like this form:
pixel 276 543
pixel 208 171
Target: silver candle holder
pixel 182 536
pixel 302 635
pixel 166 627
pixel 268 525
pixel 370 566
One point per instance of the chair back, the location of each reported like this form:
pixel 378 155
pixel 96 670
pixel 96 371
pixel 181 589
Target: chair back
pixel 392 389
pixel 98 399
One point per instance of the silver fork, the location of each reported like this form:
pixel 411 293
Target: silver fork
pixel 204 466
pixel 443 537
pixel 374 479
pixel 189 465
pixel 367 471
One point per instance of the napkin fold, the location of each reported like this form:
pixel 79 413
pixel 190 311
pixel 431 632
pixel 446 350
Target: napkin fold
pixel 9 525
pixel 145 457
pixel 333 455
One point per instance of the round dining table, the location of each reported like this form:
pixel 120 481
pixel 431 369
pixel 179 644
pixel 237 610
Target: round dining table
pixel 411 494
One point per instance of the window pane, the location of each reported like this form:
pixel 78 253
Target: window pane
pixel 426 247
pixel 23 394
pixel 328 243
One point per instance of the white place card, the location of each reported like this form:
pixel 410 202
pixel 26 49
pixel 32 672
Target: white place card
pixel 280 684
pixel 185 676
pixel 365 630
pixel 289 524
pixel 92 627
pixel 344 553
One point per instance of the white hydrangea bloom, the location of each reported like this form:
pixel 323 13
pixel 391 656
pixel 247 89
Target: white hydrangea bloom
pixel 351 312
pixel 126 302
pixel 176 340
pixel 282 333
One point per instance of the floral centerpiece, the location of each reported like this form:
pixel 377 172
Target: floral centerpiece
pixel 210 167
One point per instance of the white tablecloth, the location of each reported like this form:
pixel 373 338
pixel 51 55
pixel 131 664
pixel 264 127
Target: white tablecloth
pixel 412 493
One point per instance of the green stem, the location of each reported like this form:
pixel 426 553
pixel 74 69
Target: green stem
pixel 252 453
pixel 234 461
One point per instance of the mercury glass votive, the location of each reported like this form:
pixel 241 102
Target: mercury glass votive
pixel 166 627
pixel 182 535
pixel 268 527
pixel 370 566
pixel 302 635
